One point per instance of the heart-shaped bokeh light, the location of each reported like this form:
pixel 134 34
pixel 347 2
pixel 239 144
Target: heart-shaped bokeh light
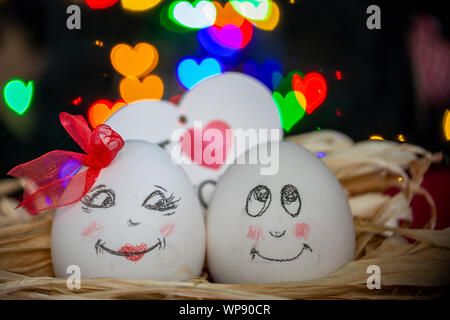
pixel 101 110
pixel 272 19
pixel 139 5
pixel 18 96
pixel 289 108
pixel 134 62
pixel 190 72
pixel 252 9
pixel 150 88
pixel 198 15
pixel 100 4
pixel 313 87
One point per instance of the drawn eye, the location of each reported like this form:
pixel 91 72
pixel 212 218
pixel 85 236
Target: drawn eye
pixel 157 201
pixel 290 200
pixel 99 198
pixel 258 201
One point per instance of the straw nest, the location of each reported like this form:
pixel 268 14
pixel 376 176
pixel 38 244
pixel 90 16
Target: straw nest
pixel 416 269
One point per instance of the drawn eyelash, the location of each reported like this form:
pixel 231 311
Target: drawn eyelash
pixel 157 201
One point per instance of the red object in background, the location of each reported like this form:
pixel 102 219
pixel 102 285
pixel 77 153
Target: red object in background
pixel 77 101
pixel 430 54
pixel 338 75
pixel 437 183
pixel 100 4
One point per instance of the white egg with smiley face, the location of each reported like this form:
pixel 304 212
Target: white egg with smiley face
pixel 141 220
pixel 292 225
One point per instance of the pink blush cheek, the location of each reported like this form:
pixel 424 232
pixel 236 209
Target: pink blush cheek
pixel 301 230
pixel 255 233
pixel 167 229
pixel 92 230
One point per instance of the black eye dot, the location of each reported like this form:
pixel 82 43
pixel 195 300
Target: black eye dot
pixel 261 193
pixel 290 193
pixel 107 202
pixel 182 119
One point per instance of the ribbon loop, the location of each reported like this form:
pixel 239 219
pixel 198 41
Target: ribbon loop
pixel 51 180
pixel 104 145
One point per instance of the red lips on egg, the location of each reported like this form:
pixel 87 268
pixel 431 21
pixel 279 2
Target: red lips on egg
pixel 128 248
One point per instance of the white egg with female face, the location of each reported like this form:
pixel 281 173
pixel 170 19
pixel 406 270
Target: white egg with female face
pixel 141 220
pixel 291 224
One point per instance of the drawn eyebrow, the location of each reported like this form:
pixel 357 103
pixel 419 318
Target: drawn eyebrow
pixel 160 187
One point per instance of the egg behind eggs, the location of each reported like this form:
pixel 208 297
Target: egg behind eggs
pixel 141 219
pixel 293 225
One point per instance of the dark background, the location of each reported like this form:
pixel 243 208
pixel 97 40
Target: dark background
pixel 376 94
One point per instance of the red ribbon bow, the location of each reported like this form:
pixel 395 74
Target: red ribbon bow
pixel 50 180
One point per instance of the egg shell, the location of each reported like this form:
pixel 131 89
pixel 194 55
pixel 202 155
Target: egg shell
pixel 140 220
pixel 265 234
pixel 149 120
pixel 240 101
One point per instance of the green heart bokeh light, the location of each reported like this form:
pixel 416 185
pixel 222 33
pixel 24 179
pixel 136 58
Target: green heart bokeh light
pixel 289 109
pixel 18 96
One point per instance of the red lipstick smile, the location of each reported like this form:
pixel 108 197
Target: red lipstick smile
pixel 128 251
pixel 137 252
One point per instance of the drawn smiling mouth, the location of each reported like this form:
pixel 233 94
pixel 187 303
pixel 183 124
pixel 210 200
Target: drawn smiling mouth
pixel 128 251
pixel 254 252
pixel 277 234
